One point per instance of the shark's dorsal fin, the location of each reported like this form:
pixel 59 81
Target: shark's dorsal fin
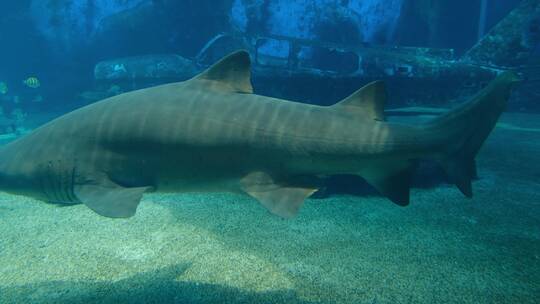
pixel 232 73
pixel 368 101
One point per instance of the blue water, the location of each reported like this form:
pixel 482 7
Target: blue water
pixel 60 42
pixel 311 51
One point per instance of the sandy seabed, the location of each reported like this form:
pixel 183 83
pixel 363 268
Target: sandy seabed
pixel 225 248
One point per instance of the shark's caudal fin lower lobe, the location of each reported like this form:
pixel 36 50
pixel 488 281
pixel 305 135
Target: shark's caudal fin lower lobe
pixel 467 127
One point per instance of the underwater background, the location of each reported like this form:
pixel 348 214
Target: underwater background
pixel 348 245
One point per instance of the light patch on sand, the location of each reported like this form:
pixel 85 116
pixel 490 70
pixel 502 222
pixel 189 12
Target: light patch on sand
pixel 135 252
pixel 217 264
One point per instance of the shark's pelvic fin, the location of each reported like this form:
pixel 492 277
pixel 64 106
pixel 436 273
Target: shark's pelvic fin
pixel 282 200
pixel 232 73
pixel 108 199
pixel 368 101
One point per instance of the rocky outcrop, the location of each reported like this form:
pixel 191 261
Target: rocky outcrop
pixel 513 40
pixel 146 67
pixel 348 22
pixel 68 23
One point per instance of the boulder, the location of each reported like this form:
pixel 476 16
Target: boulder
pixel 166 66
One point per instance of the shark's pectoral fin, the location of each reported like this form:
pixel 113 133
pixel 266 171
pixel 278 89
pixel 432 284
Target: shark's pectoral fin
pixel 280 199
pixel 392 180
pixel 110 200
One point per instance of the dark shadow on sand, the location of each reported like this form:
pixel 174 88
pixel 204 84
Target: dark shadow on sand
pixel 160 286
pixel 426 175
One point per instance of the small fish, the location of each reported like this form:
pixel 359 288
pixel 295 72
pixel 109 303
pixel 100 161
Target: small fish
pixel 3 88
pixel 32 82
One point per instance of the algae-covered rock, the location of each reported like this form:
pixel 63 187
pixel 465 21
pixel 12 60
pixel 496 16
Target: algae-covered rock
pixel 148 66
pixel 331 20
pixel 511 42
pixel 67 23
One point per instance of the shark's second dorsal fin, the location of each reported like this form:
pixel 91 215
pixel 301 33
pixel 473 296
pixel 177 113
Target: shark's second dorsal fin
pixel 368 101
pixel 232 73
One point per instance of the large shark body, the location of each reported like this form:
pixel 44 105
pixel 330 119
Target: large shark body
pixel 212 133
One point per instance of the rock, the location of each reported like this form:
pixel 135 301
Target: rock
pixel 513 40
pixel 146 67
pixel 331 20
pixel 70 23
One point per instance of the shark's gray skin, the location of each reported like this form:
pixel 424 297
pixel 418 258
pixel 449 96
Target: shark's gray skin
pixel 212 133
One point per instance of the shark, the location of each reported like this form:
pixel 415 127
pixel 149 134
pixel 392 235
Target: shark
pixel 212 133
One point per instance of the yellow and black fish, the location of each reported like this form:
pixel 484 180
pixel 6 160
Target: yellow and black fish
pixel 32 82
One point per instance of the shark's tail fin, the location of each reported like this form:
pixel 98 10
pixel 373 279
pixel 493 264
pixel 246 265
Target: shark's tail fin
pixel 465 128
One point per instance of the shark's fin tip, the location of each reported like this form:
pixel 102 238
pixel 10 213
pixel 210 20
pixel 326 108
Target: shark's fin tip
pixel 461 172
pixel 393 181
